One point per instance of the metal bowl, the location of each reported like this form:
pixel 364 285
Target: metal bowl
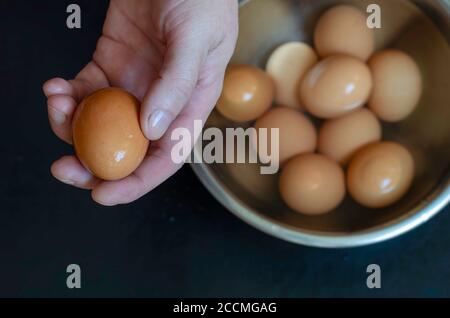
pixel 421 28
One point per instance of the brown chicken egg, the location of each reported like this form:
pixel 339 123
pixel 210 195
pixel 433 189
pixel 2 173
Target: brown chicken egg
pixel 397 85
pixel 340 138
pixel 343 30
pixel 336 86
pixel 106 133
pixel 296 132
pixel 247 93
pixel 312 184
pixel 287 66
pixel 380 174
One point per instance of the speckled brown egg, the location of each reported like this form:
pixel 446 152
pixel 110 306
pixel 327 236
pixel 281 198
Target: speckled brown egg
pixel 380 174
pixel 106 133
pixel 336 86
pixel 247 93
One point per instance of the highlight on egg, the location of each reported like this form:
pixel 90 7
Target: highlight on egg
pixel 380 174
pixel 336 86
pixel 106 134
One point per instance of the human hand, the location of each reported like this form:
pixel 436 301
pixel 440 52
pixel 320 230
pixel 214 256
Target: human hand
pixel 172 55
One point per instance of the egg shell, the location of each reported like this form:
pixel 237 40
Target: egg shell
pixel 247 93
pixel 343 30
pixel 336 86
pixel 312 184
pixel 380 174
pixel 341 137
pixel 106 134
pixel 297 134
pixel 287 66
pixel 397 85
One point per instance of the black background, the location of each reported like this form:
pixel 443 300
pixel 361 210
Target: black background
pixel 175 242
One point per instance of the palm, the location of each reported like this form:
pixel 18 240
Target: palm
pixel 130 54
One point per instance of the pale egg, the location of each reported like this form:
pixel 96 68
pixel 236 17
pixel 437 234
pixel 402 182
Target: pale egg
pixel 287 66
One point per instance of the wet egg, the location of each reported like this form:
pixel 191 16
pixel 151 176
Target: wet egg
pixel 106 133
pixel 380 174
pixel 336 86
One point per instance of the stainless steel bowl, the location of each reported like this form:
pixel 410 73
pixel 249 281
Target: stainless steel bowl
pixel 421 28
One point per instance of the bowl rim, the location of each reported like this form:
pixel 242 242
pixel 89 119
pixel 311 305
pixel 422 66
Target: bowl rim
pixel 430 206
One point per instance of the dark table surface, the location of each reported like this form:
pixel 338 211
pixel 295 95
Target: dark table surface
pixel 177 240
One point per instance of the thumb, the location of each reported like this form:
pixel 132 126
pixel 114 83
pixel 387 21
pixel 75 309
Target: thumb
pixel 173 89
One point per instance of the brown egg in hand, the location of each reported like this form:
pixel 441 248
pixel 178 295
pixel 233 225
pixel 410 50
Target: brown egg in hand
pixel 247 93
pixel 380 174
pixel 106 133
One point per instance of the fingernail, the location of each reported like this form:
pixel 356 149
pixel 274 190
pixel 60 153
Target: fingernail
pixel 67 181
pixel 158 123
pixel 57 116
